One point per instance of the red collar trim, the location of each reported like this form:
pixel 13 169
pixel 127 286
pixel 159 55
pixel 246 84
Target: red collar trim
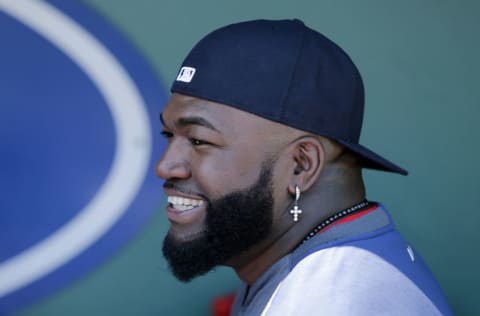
pixel 350 218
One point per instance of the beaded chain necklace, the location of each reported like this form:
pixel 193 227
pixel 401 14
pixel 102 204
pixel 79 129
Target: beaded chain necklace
pixel 351 210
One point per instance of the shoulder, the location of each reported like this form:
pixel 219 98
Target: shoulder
pixel 348 280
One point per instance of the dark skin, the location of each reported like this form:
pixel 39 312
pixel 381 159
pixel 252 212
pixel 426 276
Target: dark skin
pixel 215 149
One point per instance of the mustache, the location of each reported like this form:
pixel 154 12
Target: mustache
pixel 173 186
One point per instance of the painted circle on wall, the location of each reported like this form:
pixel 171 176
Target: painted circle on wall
pixel 79 108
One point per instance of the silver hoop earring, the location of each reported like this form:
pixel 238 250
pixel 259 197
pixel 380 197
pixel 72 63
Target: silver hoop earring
pixel 296 211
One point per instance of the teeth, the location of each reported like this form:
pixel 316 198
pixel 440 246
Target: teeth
pixel 182 207
pixel 183 204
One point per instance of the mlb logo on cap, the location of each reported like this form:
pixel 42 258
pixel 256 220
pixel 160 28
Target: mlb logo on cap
pixel 186 74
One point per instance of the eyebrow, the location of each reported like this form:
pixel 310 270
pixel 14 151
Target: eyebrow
pixel 192 120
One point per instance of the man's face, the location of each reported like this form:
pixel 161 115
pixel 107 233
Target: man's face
pixel 218 168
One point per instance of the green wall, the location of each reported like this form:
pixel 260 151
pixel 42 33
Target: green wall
pixel 419 60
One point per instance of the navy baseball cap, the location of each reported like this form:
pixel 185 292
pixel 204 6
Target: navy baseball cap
pixel 285 72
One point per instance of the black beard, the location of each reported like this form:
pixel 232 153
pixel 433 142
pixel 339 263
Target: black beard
pixel 234 223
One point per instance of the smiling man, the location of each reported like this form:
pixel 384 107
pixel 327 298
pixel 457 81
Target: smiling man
pixel 263 173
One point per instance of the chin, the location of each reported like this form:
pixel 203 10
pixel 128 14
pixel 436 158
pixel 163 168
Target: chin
pixel 181 234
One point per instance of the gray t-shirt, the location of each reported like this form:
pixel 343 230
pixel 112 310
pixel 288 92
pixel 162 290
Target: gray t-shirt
pixel 358 267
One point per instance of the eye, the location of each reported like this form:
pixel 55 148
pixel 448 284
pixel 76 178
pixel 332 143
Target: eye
pixel 166 134
pixel 198 142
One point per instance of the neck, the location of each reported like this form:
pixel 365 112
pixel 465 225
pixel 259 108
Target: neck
pixel 339 187
pixel 329 195
pixel 249 267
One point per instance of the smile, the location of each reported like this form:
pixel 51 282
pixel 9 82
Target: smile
pixel 183 204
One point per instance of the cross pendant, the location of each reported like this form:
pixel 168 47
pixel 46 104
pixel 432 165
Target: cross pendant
pixel 295 212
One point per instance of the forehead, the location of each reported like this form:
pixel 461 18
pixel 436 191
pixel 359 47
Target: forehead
pixel 224 118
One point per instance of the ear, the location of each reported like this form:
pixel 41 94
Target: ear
pixel 309 158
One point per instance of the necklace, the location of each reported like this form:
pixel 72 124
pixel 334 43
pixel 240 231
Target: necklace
pixel 335 217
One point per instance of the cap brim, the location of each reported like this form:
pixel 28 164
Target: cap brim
pixel 373 161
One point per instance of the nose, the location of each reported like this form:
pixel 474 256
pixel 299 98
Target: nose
pixel 172 165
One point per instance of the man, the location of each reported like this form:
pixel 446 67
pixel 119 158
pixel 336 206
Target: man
pixel 263 174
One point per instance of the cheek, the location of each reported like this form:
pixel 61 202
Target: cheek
pixel 281 180
pixel 224 172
